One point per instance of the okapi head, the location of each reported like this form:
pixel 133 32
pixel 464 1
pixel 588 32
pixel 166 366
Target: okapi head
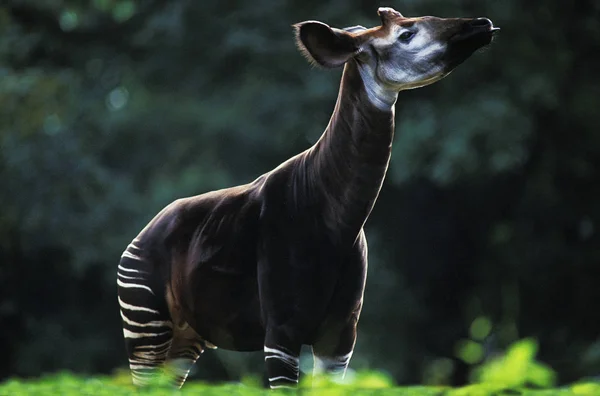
pixel 402 53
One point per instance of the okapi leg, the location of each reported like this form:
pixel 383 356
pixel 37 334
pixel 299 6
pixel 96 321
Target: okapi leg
pixel 147 326
pixel 282 367
pixel 333 350
pixel 281 358
pixel 185 350
pixel 332 365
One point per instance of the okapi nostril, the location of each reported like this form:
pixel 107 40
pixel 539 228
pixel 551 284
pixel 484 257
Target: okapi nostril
pixel 481 22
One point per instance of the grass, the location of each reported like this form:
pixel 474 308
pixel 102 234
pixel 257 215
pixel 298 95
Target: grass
pixel 363 384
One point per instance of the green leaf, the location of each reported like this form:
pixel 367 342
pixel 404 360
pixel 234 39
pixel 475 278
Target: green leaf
pixel 517 367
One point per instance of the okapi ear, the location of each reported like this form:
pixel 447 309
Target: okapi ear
pixel 323 45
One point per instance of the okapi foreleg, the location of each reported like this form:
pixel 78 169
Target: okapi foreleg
pixel 332 353
pixel 334 347
pixel 334 365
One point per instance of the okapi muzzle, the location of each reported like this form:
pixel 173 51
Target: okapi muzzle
pixel 470 35
pixel 281 262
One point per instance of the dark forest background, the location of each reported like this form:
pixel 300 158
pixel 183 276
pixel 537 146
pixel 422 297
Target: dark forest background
pixel 486 231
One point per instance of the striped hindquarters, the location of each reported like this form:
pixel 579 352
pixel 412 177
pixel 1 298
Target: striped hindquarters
pixel 147 326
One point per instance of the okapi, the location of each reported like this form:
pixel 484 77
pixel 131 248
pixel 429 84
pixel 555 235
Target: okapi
pixel 281 262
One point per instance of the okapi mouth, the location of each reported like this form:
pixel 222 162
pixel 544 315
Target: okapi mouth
pixel 474 34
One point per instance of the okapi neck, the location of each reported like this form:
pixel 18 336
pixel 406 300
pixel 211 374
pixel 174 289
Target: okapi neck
pixel 350 160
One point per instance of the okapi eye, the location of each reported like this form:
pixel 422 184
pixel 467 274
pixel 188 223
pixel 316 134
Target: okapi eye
pixel 406 36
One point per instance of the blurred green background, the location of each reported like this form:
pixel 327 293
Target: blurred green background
pixel 485 233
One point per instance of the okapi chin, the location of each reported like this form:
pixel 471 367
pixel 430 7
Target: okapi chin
pixel 281 262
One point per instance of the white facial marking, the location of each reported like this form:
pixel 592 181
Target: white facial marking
pixel 407 65
pixel 382 97
pixel 419 50
pixel 420 40
pixel 425 47
pixel 431 49
pixel 390 39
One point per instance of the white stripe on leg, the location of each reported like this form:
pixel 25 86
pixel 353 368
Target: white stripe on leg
pixel 335 366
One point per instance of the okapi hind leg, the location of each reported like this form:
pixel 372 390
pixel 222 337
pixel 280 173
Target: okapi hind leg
pixel 147 325
pixel 186 348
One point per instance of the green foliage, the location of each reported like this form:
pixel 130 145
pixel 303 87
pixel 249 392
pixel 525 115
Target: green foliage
pixel 361 380
pixel 517 367
pixel 363 384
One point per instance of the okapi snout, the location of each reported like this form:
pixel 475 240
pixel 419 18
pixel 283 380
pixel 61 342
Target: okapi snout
pixel 481 27
pixel 470 35
pixel 481 23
